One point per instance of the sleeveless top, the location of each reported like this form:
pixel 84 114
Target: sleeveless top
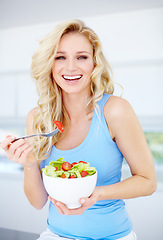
pixel 107 219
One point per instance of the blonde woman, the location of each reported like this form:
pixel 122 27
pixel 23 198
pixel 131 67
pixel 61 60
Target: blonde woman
pixel 74 85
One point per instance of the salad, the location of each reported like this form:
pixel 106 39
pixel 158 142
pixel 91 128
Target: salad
pixel 60 168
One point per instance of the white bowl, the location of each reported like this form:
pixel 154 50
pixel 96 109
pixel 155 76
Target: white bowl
pixel 69 191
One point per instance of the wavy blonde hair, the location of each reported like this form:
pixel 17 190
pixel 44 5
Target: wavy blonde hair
pixel 50 98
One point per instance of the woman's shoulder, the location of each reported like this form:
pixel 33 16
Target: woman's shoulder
pixel 117 106
pixel 119 115
pixel 30 119
pixel 32 113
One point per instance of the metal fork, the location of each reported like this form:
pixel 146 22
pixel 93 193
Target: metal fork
pixel 39 134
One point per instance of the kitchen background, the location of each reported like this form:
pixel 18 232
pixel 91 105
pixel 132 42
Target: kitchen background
pixel 131 33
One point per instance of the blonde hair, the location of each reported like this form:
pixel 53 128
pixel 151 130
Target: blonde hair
pixel 50 98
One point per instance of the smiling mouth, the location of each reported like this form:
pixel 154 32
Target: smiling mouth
pixel 72 77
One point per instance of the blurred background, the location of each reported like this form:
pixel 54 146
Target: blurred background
pixel 131 33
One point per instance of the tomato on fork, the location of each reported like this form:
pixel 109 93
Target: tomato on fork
pixel 59 126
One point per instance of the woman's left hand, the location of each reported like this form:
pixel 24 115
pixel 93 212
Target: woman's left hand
pixel 85 204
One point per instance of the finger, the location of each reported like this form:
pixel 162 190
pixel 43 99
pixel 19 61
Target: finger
pixel 24 155
pixel 10 136
pixel 56 205
pixel 22 151
pixel 6 143
pixel 14 146
pixel 83 201
pixel 63 208
pixel 67 211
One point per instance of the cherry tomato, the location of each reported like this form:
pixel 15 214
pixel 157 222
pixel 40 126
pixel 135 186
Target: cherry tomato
pixel 74 163
pixel 72 176
pixel 63 175
pixel 66 166
pixel 56 168
pixel 82 162
pixel 59 126
pixel 84 173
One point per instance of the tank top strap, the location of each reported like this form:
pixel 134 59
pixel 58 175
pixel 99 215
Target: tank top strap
pixel 103 101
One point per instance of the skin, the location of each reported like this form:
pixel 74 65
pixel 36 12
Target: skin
pixel 74 58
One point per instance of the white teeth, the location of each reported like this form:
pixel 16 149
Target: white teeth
pixel 72 77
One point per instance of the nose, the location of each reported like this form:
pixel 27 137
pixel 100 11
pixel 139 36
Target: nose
pixel 71 65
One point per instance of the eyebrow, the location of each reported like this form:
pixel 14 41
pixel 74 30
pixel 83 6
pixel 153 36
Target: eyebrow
pixel 61 52
pixel 83 52
pixel 79 52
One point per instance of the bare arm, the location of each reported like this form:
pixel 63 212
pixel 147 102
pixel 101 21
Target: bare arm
pixel 33 184
pixel 127 133
pixel 34 188
pixel 21 152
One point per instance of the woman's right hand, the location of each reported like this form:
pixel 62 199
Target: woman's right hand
pixel 19 151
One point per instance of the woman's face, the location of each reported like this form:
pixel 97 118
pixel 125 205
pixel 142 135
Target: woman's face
pixel 73 64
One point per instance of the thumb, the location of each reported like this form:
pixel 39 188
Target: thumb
pixel 83 201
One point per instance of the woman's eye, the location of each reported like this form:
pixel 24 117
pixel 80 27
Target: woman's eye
pixel 82 57
pixel 60 58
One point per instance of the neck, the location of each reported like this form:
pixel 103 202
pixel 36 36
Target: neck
pixel 76 105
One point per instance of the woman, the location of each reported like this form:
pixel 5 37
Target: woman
pixel 74 86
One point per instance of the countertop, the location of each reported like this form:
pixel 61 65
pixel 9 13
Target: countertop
pixel 9 234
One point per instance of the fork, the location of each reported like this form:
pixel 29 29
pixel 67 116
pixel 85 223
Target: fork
pixel 60 128
pixel 38 134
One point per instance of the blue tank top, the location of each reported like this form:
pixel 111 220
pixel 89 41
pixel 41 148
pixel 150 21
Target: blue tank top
pixel 107 219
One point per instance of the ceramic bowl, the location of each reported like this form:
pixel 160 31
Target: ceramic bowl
pixel 69 191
